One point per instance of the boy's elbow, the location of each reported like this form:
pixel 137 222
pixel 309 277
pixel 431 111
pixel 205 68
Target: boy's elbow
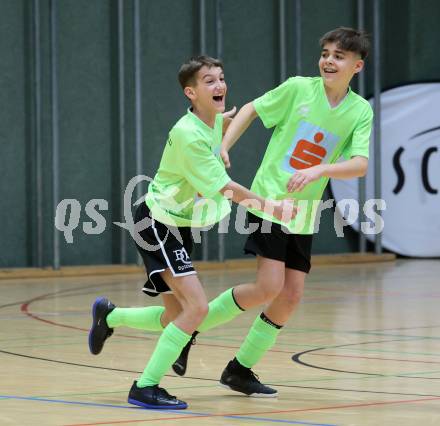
pixel 363 166
pixel 250 110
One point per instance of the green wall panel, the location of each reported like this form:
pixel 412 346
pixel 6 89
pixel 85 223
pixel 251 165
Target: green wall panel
pixel 14 142
pixel 85 119
pixel 87 43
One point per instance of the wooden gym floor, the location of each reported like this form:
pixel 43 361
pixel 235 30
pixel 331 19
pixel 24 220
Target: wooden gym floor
pixel 365 344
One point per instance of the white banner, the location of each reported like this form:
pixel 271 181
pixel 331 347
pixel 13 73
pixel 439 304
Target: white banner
pixel 410 149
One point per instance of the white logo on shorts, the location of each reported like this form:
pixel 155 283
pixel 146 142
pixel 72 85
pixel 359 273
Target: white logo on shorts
pixel 182 256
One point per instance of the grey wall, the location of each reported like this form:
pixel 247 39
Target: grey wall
pixel 88 97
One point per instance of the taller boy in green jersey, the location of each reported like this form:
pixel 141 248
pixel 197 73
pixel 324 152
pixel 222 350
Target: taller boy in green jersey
pixel 190 169
pixel 310 135
pixel 316 120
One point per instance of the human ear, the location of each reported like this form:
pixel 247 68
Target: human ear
pixel 359 65
pixel 189 92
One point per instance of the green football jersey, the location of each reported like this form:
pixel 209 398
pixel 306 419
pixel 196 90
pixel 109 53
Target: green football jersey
pixel 308 132
pixel 185 190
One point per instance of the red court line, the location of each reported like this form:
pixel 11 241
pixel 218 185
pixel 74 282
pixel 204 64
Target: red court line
pixel 299 410
pixel 25 309
pixel 378 358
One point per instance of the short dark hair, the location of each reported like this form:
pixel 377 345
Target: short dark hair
pixel 189 69
pixel 348 39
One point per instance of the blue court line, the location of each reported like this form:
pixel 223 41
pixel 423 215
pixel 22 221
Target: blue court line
pixel 183 413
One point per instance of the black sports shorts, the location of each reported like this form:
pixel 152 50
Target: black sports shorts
pixel 162 250
pixel 292 249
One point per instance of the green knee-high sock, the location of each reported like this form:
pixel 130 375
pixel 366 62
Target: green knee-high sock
pixel 260 339
pixel 222 309
pixel 168 348
pixel 141 318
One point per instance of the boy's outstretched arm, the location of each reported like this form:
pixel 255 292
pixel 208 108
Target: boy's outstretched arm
pixel 355 167
pixel 236 128
pixel 283 210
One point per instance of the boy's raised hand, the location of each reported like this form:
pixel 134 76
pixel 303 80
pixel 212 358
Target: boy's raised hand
pixel 225 157
pixel 227 118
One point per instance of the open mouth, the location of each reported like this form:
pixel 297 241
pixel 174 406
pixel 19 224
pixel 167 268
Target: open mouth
pixel 218 98
pixel 329 70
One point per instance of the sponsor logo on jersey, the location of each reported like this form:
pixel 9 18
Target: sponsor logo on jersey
pixel 311 145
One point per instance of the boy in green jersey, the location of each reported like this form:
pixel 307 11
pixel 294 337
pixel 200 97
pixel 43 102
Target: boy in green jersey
pixel 190 174
pixel 316 120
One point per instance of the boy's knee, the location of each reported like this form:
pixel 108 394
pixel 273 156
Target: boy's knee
pixel 266 294
pixel 292 296
pixel 269 290
pixel 200 311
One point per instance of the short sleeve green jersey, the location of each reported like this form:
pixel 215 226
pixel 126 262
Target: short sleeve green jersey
pixel 308 132
pixel 185 189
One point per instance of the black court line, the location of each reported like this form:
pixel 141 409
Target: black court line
pixel 63 292
pixel 75 364
pixel 12 304
pixel 47 296
pixel 296 358
pixel 56 293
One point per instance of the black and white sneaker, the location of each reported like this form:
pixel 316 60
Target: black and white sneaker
pixel 244 380
pixel 100 331
pixel 180 364
pixel 154 397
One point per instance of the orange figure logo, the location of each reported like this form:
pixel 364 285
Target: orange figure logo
pixel 307 154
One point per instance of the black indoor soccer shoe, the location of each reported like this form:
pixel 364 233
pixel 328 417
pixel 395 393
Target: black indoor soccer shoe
pixel 181 363
pixel 244 380
pixel 100 331
pixel 154 397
